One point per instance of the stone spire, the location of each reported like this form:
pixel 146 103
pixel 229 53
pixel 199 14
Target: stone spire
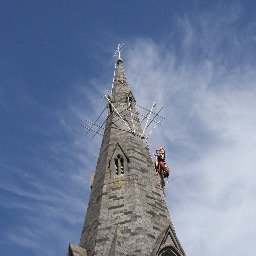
pixel 127 212
pixel 120 84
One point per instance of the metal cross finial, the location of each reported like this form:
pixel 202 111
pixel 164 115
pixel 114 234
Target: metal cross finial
pixel 118 51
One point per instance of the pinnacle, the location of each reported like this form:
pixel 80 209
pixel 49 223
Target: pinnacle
pixel 120 84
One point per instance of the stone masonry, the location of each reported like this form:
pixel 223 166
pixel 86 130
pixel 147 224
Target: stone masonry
pixel 127 212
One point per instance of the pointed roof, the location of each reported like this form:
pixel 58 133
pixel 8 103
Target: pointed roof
pixel 120 83
pixel 167 240
pixel 127 213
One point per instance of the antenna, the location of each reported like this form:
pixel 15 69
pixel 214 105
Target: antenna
pixel 151 117
pixel 93 123
pixel 132 119
pixel 118 113
pixel 146 125
pixel 113 80
pixel 92 130
pixel 152 120
pixel 158 123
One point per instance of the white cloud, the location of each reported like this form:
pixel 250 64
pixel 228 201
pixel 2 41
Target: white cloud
pixel 209 134
pixel 204 76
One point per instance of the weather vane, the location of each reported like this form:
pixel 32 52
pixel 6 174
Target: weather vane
pixel 118 51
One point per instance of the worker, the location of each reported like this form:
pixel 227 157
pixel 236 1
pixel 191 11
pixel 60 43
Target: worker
pixel 160 163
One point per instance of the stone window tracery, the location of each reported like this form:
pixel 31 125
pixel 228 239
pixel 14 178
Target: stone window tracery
pixel 119 164
pixel 130 101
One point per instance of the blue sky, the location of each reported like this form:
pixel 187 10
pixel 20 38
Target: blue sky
pixel 195 58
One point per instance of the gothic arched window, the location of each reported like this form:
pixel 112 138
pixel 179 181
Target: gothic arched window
pixel 119 164
pixel 130 101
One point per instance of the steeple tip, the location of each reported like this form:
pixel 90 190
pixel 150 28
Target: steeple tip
pixel 119 61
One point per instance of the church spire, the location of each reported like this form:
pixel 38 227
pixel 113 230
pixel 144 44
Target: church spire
pixel 119 79
pixel 127 213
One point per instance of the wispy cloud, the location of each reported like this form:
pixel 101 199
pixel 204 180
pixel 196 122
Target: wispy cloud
pixel 203 73
pixel 209 96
